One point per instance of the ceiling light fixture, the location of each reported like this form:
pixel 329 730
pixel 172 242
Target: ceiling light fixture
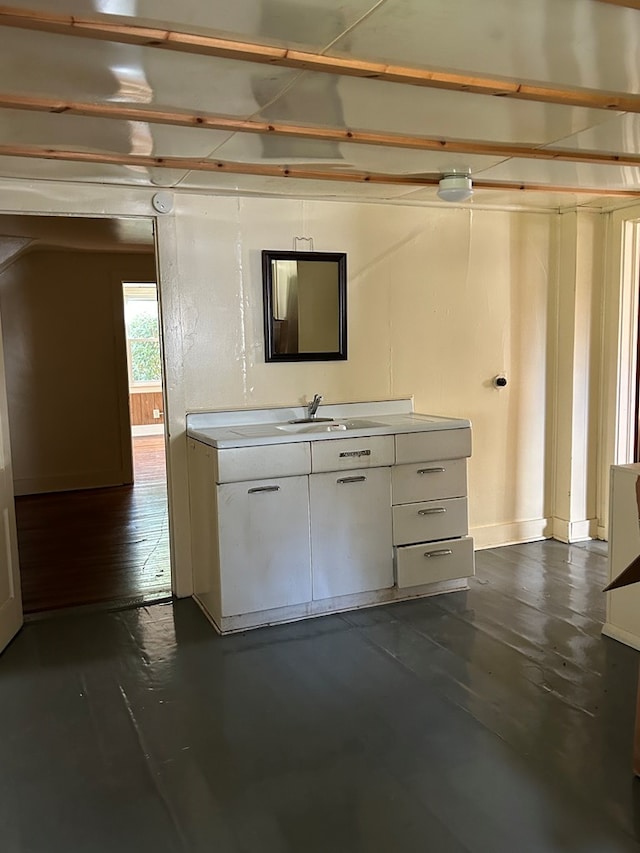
pixel 455 187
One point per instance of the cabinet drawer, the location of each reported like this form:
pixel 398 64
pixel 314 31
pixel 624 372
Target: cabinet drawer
pixel 428 481
pixel 437 561
pixel 235 464
pixel 421 522
pixel 374 451
pixel 435 444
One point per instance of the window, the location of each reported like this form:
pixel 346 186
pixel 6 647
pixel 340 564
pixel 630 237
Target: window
pixel 143 335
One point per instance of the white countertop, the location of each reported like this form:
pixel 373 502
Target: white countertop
pixel 255 427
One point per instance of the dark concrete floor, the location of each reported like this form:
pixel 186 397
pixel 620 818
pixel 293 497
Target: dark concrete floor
pixel 492 720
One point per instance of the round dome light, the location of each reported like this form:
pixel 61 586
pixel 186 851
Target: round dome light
pixel 455 188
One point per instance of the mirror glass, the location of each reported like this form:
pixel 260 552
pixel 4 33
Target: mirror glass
pixel 305 305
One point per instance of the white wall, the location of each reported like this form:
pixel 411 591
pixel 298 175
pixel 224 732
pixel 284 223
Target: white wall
pixel 65 358
pixel 439 302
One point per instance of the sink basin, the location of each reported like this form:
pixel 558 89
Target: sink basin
pixel 333 426
pixel 360 423
pixel 305 426
pixel 311 420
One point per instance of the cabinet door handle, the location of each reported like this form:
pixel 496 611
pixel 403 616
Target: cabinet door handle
pixel 431 470
pixel 442 552
pixel 351 480
pixel 433 510
pixel 263 489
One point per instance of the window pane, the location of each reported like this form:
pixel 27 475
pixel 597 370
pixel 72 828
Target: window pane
pixel 141 318
pixel 145 361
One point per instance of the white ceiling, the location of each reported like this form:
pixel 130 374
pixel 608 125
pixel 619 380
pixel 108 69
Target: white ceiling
pixel 567 43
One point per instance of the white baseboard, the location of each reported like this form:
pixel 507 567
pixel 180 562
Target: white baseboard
pixel 68 482
pixel 621 636
pixel 147 429
pixel 513 533
pixel 574 531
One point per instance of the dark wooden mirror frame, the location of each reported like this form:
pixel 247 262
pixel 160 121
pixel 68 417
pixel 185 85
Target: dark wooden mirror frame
pixel 339 258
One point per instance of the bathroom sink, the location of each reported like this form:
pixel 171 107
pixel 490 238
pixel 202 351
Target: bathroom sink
pixel 360 423
pixel 309 427
pixel 311 420
pixel 333 426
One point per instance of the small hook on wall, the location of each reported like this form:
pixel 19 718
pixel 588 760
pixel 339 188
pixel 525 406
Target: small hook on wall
pixel 308 240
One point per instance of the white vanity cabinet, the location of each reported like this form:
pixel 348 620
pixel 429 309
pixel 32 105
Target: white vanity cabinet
pixel 291 519
pixel 351 531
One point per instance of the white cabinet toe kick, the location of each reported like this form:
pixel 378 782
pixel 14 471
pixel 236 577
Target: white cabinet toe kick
pixel 290 531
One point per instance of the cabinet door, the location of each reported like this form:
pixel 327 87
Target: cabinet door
pixel 265 558
pixel 351 532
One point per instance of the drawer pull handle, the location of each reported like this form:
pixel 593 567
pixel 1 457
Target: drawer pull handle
pixel 443 552
pixel 431 470
pixel 263 489
pixel 351 480
pixel 433 510
pixel 350 454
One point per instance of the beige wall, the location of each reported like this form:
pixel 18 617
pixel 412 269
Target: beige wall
pixel 440 301
pixel 62 321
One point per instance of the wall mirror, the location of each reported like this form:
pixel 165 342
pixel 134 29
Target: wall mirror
pixel 305 305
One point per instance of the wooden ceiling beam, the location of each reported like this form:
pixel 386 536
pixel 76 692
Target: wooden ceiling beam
pixel 629 4
pixel 209 121
pixel 199 164
pixel 207 45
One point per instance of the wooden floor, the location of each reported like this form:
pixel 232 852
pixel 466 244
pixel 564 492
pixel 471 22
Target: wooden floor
pixel 496 720
pixel 98 545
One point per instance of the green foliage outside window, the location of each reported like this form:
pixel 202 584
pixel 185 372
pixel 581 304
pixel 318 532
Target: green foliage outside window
pixel 142 331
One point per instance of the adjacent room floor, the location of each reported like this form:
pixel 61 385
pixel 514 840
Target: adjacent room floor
pixel 98 545
pixel 492 720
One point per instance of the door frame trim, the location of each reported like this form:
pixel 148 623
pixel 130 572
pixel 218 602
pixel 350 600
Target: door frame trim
pixel 126 203
pixel 621 308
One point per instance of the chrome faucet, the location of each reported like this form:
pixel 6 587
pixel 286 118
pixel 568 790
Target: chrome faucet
pixel 313 406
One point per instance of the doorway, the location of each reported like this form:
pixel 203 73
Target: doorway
pixel 636 403
pixel 144 372
pixel 91 507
